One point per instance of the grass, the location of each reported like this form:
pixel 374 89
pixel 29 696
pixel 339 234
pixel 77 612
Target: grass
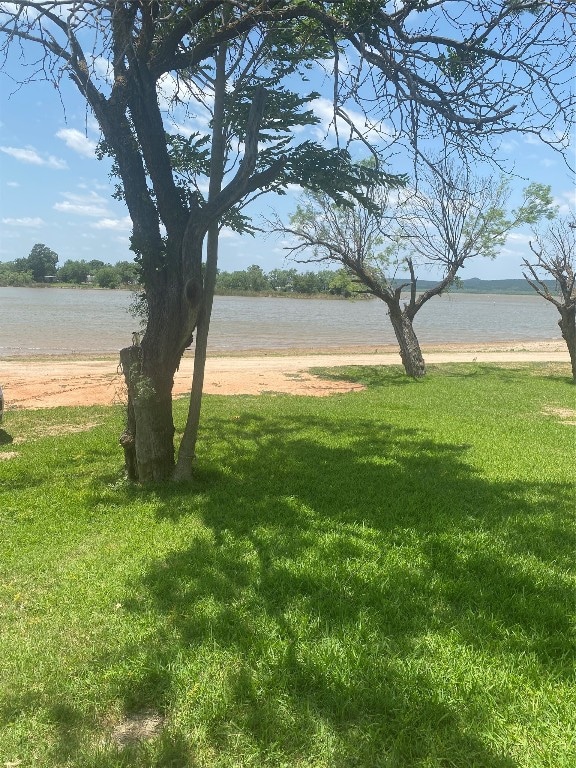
pixel 379 579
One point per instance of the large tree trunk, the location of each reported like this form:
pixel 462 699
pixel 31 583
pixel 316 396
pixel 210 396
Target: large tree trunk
pixel 410 351
pixel 567 325
pixel 149 368
pixel 148 438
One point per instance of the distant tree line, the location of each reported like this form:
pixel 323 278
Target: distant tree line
pixel 277 281
pixel 40 266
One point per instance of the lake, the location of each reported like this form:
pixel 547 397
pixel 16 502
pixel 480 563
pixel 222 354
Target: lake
pixel 57 321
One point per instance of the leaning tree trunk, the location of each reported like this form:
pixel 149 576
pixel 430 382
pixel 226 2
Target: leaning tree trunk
pixel 567 325
pixel 187 450
pixel 410 351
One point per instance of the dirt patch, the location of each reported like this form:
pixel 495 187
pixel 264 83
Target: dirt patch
pixel 566 415
pixel 137 728
pixel 55 430
pixel 48 383
pixel 4 456
pixel 67 429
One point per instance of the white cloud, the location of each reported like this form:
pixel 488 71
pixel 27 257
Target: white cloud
pixel 551 137
pixel 90 204
pixel 187 105
pixel 116 225
pixel 519 238
pixel 228 234
pixel 104 69
pixel 184 130
pixel 566 202
pixel 77 141
pixel 371 130
pixel 25 221
pixel 31 156
pixel 173 90
pixel 12 184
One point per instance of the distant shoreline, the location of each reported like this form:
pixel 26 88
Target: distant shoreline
pixel 512 347
pixel 507 287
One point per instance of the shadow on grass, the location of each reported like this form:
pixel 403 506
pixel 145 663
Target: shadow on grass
pixel 368 375
pixel 352 600
pixel 342 564
pixel 5 437
pixel 375 376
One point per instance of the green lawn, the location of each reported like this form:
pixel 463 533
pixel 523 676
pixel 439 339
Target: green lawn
pixel 377 579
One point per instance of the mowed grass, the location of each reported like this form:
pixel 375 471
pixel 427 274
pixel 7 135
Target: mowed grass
pixel 382 579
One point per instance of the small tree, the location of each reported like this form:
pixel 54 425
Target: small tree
pixel 107 277
pixel 452 218
pixel 342 284
pixel 282 280
pixel 73 272
pixel 555 256
pixel 11 275
pixel 127 272
pixel 41 262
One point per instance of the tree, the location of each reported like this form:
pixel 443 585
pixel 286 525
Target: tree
pixel 13 275
pixel 107 277
pixel 95 264
pixel 127 272
pixel 310 282
pixel 282 280
pixel 451 218
pixel 73 272
pixel 341 284
pixel 41 262
pixel 256 279
pixel 452 79
pixel 554 255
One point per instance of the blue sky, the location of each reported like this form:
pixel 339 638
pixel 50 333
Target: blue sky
pixel 54 190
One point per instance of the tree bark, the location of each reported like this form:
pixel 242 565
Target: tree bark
pixel 567 325
pixel 410 351
pixel 149 368
pixel 187 449
pixel 148 438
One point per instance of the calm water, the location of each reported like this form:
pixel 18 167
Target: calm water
pixel 64 321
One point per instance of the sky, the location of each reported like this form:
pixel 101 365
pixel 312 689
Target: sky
pixel 53 189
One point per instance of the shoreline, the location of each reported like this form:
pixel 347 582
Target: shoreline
pixel 79 380
pixel 511 346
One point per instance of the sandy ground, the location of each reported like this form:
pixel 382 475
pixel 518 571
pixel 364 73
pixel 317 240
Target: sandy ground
pixel 48 382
